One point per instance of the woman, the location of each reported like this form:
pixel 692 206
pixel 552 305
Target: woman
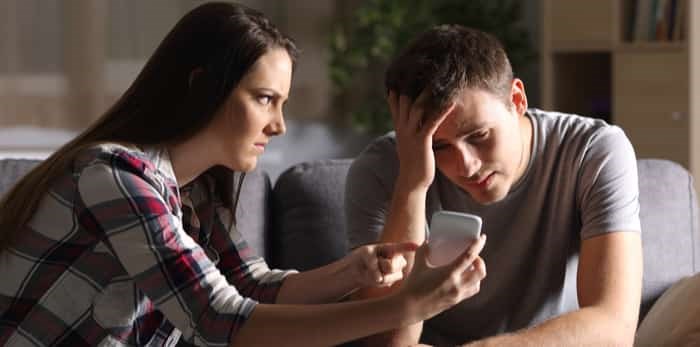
pixel 125 235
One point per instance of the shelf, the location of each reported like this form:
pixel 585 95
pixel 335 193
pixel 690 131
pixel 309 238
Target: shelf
pixel 581 46
pixel 651 46
pixel 597 46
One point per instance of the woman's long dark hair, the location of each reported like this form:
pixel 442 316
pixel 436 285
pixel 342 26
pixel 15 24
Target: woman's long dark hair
pixel 175 95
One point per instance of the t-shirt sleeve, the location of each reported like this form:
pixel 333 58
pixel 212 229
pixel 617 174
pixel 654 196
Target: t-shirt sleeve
pixel 368 192
pixel 608 193
pixel 130 209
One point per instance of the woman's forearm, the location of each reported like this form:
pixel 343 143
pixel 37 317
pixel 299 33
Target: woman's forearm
pixel 326 284
pixel 324 325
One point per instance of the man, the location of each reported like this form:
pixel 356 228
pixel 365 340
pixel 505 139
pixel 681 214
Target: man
pixel 558 195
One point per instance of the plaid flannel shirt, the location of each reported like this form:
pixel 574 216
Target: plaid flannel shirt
pixel 115 256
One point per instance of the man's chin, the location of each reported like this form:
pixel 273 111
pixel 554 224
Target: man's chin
pixel 487 197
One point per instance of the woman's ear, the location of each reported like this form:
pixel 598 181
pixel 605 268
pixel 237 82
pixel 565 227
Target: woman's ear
pixel 194 74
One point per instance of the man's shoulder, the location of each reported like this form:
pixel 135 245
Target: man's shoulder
pixel 571 126
pixel 381 149
pixel 383 145
pixel 379 158
pixel 563 119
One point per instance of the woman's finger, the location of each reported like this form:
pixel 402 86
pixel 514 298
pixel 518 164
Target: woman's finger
pixel 393 264
pixel 389 250
pixel 392 278
pixel 372 268
pixel 385 265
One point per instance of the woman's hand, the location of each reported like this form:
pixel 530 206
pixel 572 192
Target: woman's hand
pixel 415 128
pixel 379 265
pixel 431 290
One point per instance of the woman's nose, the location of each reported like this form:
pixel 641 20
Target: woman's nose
pixel 277 126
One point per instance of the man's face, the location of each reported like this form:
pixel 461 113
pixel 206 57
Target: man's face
pixel 480 146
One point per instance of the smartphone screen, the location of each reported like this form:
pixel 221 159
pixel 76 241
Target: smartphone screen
pixel 450 234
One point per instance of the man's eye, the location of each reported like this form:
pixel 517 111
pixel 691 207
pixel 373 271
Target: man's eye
pixel 481 135
pixel 439 146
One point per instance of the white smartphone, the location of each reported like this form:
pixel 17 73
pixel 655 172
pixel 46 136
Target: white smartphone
pixel 450 234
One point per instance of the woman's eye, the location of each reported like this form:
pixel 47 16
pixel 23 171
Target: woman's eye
pixel 264 99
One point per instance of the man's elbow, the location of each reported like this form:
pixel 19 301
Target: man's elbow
pixel 395 338
pixel 621 330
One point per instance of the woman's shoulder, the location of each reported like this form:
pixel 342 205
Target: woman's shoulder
pixel 117 157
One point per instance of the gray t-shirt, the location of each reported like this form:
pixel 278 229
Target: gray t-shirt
pixel 581 181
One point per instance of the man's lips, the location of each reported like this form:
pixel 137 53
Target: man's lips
pixel 481 181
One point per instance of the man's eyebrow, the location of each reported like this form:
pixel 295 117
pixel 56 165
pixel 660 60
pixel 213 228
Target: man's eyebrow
pixel 465 128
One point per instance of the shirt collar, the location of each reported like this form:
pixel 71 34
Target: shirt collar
pixel 160 157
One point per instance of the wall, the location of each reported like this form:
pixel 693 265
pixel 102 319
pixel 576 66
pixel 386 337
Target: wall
pixel 66 62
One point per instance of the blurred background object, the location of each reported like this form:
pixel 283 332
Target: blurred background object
pixel 364 42
pixel 63 63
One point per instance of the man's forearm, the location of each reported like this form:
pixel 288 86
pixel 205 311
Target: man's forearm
pixel 589 326
pixel 406 218
pixel 405 222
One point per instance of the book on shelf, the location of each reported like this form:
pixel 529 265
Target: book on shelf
pixel 655 20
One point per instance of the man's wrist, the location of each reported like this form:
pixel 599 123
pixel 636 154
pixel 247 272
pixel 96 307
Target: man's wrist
pixel 409 191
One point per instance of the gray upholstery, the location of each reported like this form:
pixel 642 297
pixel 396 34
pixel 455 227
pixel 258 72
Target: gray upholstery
pixel 667 201
pixel 253 217
pixel 300 223
pixel 309 220
pixel 669 226
pixel 12 169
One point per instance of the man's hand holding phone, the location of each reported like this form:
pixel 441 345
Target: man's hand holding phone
pixel 450 234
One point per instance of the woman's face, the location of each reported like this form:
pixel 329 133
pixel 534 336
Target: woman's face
pixel 252 114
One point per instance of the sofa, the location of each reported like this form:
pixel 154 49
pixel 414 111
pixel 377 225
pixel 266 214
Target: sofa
pixel 299 221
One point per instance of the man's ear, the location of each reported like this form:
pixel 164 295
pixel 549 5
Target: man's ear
pixel 518 97
pixel 194 74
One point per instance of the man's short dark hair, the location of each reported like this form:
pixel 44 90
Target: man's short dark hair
pixel 447 59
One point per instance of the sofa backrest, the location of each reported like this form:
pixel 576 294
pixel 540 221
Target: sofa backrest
pixel 310 222
pixel 669 216
pixel 309 219
pixel 300 223
pixel 12 169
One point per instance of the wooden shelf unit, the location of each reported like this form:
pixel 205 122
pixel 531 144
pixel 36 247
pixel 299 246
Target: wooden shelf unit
pixel 590 66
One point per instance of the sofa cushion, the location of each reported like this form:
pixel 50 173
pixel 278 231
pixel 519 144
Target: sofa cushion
pixel 308 215
pixel 12 169
pixel 674 320
pixel 668 212
pixel 253 211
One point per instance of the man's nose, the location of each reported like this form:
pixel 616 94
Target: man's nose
pixel 469 163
